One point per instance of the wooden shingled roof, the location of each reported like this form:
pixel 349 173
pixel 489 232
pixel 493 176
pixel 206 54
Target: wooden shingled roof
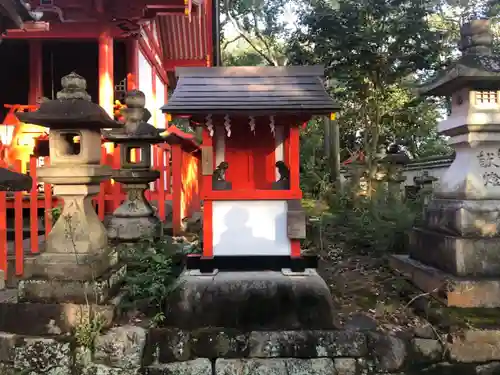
pixel 13 13
pixel 252 90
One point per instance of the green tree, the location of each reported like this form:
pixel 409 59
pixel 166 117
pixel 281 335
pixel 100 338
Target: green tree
pixel 374 51
pixel 259 27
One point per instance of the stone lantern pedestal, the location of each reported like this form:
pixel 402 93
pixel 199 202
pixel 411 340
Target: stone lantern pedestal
pixel 394 177
pixel 77 275
pixel 135 218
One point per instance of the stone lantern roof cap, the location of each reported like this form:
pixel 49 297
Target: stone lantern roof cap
pixel 72 109
pixel 144 132
pixel 477 68
pixel 136 127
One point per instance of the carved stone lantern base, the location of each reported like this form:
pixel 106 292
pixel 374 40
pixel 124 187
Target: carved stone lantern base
pixel 135 219
pixel 454 254
pixel 77 266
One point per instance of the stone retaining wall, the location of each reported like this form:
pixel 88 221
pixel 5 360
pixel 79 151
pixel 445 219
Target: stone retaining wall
pixel 130 350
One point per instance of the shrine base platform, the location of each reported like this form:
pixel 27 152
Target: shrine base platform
pixel 250 300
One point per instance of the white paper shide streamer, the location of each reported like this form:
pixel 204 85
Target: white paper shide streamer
pixel 210 125
pixel 227 125
pixel 272 126
pixel 252 124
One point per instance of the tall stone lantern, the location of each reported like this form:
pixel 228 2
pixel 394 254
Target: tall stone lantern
pixel 135 218
pixel 77 247
pixel 456 251
pixel 395 160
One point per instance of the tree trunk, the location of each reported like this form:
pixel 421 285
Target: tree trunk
pixel 327 137
pixel 333 127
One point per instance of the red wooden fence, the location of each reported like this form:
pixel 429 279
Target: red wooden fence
pixel 110 197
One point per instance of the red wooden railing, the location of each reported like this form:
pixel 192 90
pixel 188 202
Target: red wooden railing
pixel 110 197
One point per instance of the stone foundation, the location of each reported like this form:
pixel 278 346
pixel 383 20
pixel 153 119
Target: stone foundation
pixel 250 300
pixel 131 350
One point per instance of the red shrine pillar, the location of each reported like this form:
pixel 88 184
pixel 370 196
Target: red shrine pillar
pixel 132 64
pixel 106 84
pixel 36 85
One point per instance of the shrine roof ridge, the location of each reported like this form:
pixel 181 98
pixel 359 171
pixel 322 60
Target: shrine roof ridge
pixel 251 71
pixel 256 89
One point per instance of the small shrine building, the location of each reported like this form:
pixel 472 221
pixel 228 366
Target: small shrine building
pixel 253 221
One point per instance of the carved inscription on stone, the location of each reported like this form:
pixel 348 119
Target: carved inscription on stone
pixel 488 160
pixel 491 179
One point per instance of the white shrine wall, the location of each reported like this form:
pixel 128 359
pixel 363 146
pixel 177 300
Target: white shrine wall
pixel 146 85
pixel 250 228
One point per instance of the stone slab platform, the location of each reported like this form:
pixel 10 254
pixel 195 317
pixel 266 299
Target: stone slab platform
pixel 460 256
pixel 41 319
pixel 45 290
pixel 250 300
pixel 451 290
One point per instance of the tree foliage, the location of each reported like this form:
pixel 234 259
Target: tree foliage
pixel 374 53
pixel 259 26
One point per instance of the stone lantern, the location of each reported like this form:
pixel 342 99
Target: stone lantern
pixel 425 183
pixel 76 251
pixel 135 218
pixel 395 162
pixel 457 245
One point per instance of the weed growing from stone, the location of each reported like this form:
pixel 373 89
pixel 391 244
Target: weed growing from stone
pixel 152 267
pixel 90 324
pixel 55 213
pixel 157 320
pixel 87 331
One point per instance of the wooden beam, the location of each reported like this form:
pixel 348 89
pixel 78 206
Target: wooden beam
pixel 152 42
pixel 36 72
pixel 64 31
pixel 209 31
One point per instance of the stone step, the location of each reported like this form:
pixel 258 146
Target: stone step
pixel 51 319
pixel 167 345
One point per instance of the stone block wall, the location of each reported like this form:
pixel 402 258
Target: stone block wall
pixel 131 350
pixel 434 166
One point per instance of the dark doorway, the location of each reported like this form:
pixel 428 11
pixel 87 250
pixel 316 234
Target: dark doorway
pixel 14 73
pixel 61 58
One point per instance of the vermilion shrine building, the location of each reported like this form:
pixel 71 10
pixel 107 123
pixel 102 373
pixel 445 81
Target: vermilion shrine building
pixel 116 45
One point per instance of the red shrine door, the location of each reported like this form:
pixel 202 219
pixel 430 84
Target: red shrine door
pixel 251 158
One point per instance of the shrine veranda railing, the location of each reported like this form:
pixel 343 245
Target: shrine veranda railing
pixel 18 240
